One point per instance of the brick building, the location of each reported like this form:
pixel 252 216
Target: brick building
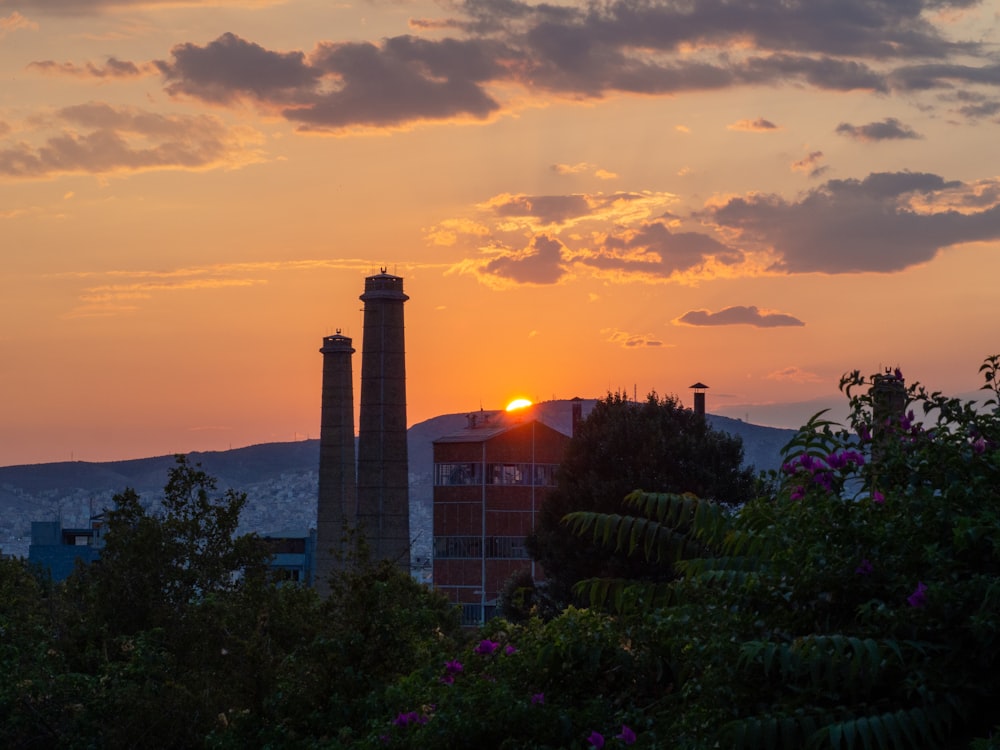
pixel 489 481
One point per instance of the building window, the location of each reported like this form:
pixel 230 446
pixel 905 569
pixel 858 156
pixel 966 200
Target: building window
pixel 474 615
pixel 458 473
pixel 497 547
pixel 457 547
pixel 514 474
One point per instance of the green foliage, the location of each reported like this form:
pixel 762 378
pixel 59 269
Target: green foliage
pixel 857 607
pixel 540 685
pixel 621 446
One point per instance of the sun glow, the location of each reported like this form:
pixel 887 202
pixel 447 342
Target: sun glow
pixel 518 403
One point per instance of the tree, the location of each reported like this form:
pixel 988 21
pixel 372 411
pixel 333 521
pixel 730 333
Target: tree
pixel 857 607
pixel 162 629
pixel 656 445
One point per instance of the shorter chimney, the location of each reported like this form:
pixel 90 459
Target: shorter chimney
pixel 577 417
pixel 699 397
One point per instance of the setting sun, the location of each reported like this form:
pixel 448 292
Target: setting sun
pixel 518 403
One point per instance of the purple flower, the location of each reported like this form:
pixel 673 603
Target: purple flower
pixel 448 679
pixel 837 460
pixel 596 740
pixel 798 493
pixel 509 650
pixel 978 445
pixel 486 647
pixel 864 433
pixel 877 497
pixel 453 667
pixel 411 717
pixel 627 735
pixel 919 596
pixel 538 699
pixel 864 568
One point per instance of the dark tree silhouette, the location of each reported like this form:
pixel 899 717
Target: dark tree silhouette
pixel 656 445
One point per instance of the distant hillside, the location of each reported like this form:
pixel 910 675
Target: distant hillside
pixel 280 479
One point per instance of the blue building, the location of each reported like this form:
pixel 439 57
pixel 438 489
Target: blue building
pixel 294 555
pixel 56 549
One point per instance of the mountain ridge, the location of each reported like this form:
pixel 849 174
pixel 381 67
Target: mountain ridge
pixel 280 479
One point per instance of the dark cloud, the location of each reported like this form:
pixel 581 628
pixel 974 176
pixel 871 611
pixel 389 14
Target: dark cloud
pixel 341 85
pixel 587 50
pixel 848 226
pixel 403 80
pixel 940 75
pixel 112 68
pixel 231 68
pixel 89 7
pixel 541 263
pixel 101 139
pixel 888 129
pixel 549 209
pixel 811 164
pixel 760 125
pixel 871 28
pixel 738 315
pixel 655 250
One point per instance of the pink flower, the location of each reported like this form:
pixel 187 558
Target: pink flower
pixel 453 667
pixel 486 647
pixel 978 445
pixel 877 497
pixel 627 735
pixel 596 740
pixel 798 493
pixel 919 596
pixel 509 650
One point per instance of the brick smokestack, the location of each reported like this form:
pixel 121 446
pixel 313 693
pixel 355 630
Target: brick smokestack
pixel 338 498
pixel 383 466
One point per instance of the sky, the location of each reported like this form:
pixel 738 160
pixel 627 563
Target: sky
pixel 581 198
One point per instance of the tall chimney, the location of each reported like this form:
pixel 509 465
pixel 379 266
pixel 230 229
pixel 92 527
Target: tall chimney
pixel 383 467
pixel 338 497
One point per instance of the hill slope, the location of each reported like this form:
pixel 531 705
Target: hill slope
pixel 280 479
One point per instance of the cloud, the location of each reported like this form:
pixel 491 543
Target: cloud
pixel 540 263
pixel 883 223
pixel 888 129
pixel 230 68
pixel 97 138
pixel 112 68
pixel 886 222
pixel 15 22
pixel 631 340
pixel 497 51
pixel 654 251
pixel 583 168
pixel 341 85
pixel 738 315
pixel 760 125
pixel 114 292
pixel 810 164
pixel 89 7
pixel 794 374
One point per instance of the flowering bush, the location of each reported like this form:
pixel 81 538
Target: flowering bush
pixel 568 683
pixel 858 606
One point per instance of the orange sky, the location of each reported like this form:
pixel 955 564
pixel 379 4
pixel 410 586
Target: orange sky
pixel 580 199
